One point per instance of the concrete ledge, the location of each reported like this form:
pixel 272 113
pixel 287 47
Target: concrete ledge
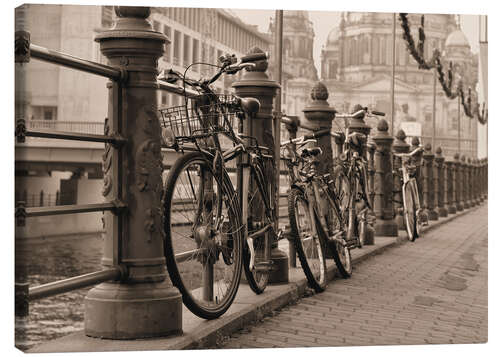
pixel 247 308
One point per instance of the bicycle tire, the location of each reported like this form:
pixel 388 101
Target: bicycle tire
pixel 410 213
pixel 340 252
pixel 311 253
pixel 257 278
pixel 182 236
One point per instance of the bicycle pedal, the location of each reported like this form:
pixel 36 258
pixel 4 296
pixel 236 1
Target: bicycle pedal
pixel 352 243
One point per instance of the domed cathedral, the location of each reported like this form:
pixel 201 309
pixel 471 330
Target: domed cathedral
pixel 356 66
pixel 299 72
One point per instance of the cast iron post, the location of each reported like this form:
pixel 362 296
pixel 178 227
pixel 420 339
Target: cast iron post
pixel 486 177
pixel 371 170
pixel 477 182
pixel 256 83
pixel 470 182
pixel 319 115
pixel 384 211
pixel 292 128
pixel 484 181
pixel 144 303
pixel 458 183
pixel 440 183
pixel 465 182
pixel 400 147
pixel 428 191
pixel 450 187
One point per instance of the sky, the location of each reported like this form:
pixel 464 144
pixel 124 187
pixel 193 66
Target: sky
pixel 325 21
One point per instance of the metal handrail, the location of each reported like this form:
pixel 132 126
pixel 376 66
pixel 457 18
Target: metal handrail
pixel 96 138
pixel 74 283
pixel 172 88
pixel 69 209
pixel 55 57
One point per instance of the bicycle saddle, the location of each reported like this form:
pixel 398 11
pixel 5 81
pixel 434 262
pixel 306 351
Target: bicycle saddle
pixel 311 151
pixel 356 139
pixel 250 105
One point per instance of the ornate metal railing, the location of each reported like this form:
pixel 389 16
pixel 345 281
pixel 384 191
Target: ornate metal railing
pixel 80 131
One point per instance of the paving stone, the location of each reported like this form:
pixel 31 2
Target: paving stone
pixel 433 291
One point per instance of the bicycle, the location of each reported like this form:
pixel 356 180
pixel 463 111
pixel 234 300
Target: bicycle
pixel 206 251
pixel 314 213
pixel 413 213
pixel 351 180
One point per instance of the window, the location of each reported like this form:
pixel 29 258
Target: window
pixel 332 70
pixel 454 120
pixel 211 57
pixel 196 51
pixel 39 112
pixel 164 98
pixel 375 47
pixel 187 48
pixel 168 32
pixel 382 51
pixel 177 47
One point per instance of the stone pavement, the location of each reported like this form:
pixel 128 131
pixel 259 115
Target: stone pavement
pixel 432 291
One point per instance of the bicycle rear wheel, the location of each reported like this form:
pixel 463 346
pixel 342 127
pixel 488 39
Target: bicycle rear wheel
pixel 410 211
pixel 203 242
pixel 253 207
pixel 310 249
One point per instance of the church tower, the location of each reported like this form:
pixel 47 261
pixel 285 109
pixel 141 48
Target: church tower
pixel 299 72
pixel 298 38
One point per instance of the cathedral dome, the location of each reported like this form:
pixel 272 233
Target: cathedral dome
pixel 457 39
pixel 333 36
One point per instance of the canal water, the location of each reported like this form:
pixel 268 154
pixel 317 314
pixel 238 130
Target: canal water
pixel 48 260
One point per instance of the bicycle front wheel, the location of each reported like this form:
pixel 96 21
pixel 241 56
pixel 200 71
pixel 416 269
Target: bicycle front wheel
pixel 341 223
pixel 310 249
pixel 203 242
pixel 410 211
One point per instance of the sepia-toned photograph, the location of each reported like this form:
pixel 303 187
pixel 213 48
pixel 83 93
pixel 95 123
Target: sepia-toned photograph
pixel 192 178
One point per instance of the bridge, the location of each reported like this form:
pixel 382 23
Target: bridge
pixel 134 305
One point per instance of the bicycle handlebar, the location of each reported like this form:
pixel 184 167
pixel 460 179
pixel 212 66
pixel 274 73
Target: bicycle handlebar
pixel 303 139
pixel 229 66
pixel 364 111
pixel 413 153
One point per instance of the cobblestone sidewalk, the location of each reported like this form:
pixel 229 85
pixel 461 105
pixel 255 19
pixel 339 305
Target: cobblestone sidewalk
pixel 432 291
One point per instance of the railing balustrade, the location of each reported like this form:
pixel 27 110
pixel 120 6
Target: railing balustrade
pixel 137 265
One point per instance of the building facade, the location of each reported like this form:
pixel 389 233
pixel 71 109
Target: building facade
pixel 356 65
pixel 58 98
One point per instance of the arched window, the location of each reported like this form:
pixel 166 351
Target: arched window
pixel 382 51
pixel 347 49
pixel 375 50
pixel 286 47
pixel 366 50
pixel 332 70
pixel 354 55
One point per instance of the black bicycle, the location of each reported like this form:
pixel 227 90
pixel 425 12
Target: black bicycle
pixel 314 211
pixel 211 231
